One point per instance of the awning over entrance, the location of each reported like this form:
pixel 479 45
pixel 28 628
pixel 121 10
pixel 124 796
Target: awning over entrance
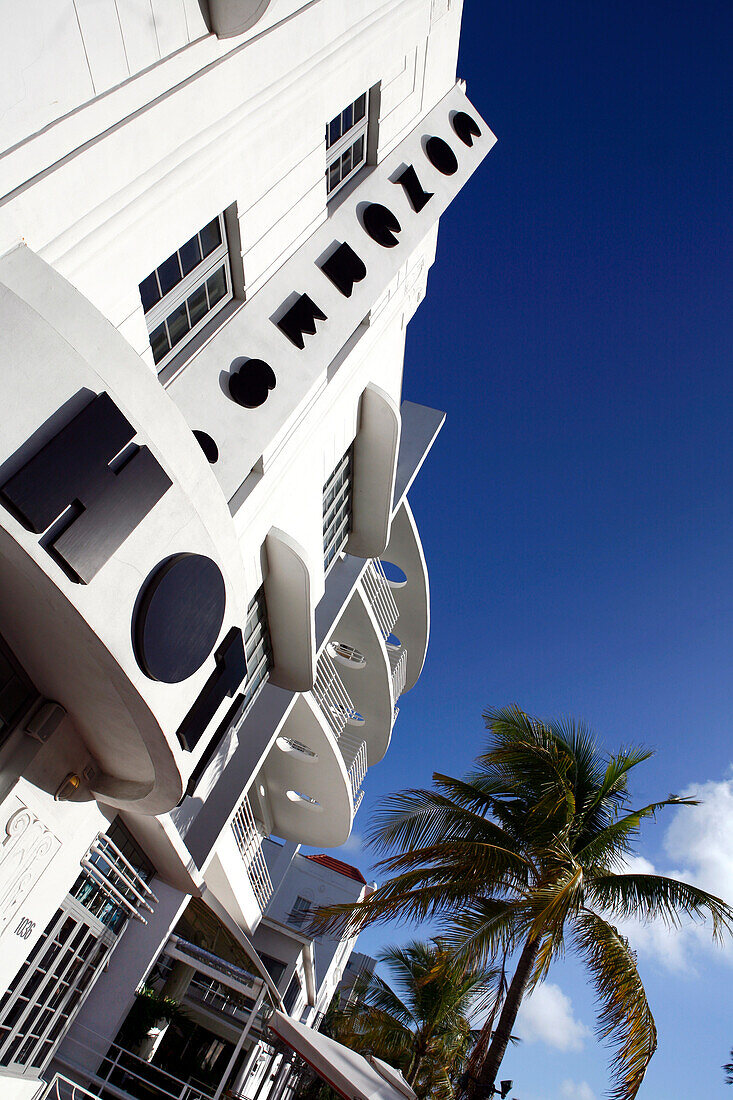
pixel 344 1070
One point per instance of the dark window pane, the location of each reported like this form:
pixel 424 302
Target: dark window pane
pixel 169 273
pixel 159 343
pixel 178 324
pixel 149 293
pixel 210 237
pixel 333 176
pixel 216 285
pixel 360 108
pixel 345 164
pixel 334 130
pixel 190 255
pixel 357 152
pixel 348 118
pixel 197 307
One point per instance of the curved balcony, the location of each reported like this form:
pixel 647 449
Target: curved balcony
pixel 72 574
pixel 411 594
pixel 228 18
pixel 368 679
pixel 305 780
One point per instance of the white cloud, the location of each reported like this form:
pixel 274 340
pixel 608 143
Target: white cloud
pixel 698 843
pixel 352 844
pixel 701 838
pixel 547 1016
pixel 576 1090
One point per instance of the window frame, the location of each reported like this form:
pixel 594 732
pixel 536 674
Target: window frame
pixel 345 143
pixel 161 311
pixel 337 509
pixel 300 913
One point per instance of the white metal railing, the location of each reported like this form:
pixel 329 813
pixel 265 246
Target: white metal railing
pixel 380 596
pixel 122 1074
pixel 358 769
pixel 116 879
pixel 249 842
pixel 398 661
pixel 332 696
pixel 63 1088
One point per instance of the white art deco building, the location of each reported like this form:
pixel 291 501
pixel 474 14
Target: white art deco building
pixel 217 219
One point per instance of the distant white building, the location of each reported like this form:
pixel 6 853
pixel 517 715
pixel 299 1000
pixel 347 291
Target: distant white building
pixel 216 219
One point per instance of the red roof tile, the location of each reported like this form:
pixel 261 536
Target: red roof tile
pixel 337 865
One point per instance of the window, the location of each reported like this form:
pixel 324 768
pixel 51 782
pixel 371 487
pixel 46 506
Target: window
pixel 300 912
pixel 274 967
pixel 50 987
pixel 346 143
pixel 187 290
pixel 257 648
pixel 291 994
pixel 17 694
pixel 336 510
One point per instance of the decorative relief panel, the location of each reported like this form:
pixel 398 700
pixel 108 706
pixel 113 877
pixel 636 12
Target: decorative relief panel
pixel 26 849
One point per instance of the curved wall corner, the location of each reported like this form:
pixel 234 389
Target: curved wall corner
pixel 290 613
pixel 413 599
pixel 310 799
pixel 71 596
pixel 376 448
pixel 228 18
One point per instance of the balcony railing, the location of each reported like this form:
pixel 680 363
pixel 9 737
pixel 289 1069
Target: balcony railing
pixel 332 696
pixel 379 594
pixel 358 769
pixel 249 842
pixel 122 1074
pixel 398 661
pixel 63 1088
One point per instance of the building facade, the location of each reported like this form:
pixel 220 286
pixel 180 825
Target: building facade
pixel 217 218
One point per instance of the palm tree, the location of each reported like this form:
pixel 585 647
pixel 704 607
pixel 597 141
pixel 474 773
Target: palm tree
pixel 525 858
pixel 420 1022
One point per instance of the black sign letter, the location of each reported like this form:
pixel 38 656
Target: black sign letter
pixel 414 189
pixel 231 668
pixel 381 224
pixel 251 383
pixel 301 318
pixel 466 127
pixel 73 469
pixel 441 156
pixel 344 268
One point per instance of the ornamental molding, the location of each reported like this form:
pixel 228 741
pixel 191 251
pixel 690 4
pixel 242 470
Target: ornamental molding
pixel 26 850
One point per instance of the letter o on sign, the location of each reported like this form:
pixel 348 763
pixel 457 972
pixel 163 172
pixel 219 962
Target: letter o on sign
pixel 441 156
pixel 178 617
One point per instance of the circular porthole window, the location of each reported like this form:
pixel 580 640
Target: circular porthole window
pixel 297 748
pixel 347 654
pixel 396 577
pixel 303 799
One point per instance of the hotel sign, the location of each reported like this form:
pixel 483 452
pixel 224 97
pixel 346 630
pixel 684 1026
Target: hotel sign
pixel 86 489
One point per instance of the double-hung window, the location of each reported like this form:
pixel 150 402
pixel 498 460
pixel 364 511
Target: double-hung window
pixel 300 912
pixel 337 510
pixel 346 143
pixel 187 290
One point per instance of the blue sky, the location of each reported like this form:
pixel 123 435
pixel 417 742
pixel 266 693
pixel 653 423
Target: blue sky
pixel 576 510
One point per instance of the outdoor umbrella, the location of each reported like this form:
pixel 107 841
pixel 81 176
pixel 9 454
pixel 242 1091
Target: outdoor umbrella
pixel 343 1069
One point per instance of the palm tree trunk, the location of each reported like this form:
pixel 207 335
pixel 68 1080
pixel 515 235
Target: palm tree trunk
pixel 420 1049
pixel 485 1077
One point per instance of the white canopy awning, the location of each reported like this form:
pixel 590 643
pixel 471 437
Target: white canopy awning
pixel 343 1069
pixel 394 1076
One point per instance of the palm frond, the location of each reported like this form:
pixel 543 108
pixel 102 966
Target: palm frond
pixel 609 844
pixel 625 1019
pixel 654 896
